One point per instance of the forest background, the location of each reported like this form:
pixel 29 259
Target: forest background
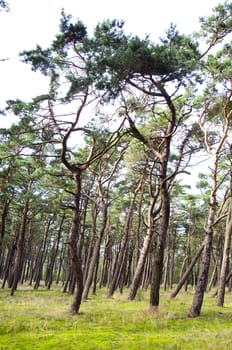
pixel 92 169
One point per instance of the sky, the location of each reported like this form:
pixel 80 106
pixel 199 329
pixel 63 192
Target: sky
pixel 32 22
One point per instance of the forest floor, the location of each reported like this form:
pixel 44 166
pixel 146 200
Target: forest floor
pixel 39 319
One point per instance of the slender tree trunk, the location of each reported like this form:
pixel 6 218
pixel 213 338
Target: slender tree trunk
pixel 195 309
pixel 8 265
pixel 95 278
pixel 122 257
pixel 60 263
pixel 20 243
pixel 172 259
pixel 225 260
pixel 73 241
pixel 166 269
pixel 54 254
pixel 91 243
pixel 139 225
pixel 107 262
pixel 187 272
pixel 95 255
pixel 42 253
pixel 157 268
pixel 4 214
pixel 143 254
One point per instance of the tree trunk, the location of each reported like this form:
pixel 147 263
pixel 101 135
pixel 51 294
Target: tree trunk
pixel 20 243
pixel 195 309
pixel 42 253
pixel 90 244
pixel 53 254
pixel 107 262
pixel 122 257
pixel 73 241
pixel 143 254
pixel 4 214
pixel 225 259
pixel 157 268
pixel 187 272
pixel 95 255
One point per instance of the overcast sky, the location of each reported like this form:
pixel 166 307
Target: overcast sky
pixel 32 22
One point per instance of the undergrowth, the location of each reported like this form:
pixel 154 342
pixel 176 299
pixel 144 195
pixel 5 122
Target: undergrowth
pixel 39 319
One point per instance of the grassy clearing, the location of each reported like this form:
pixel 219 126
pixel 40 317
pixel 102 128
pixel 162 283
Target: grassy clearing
pixel 39 320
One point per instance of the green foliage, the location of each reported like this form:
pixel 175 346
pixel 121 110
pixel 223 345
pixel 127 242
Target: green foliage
pixel 117 58
pixel 70 34
pixel 217 26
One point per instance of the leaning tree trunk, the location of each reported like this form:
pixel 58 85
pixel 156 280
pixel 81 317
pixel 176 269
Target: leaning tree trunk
pixel 225 259
pixel 187 272
pixel 143 254
pixel 195 309
pixel 215 156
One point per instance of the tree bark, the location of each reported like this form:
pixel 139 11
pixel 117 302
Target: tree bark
pixel 187 272
pixel 73 241
pixel 53 254
pixel 20 243
pixel 195 309
pixel 42 253
pixel 95 255
pixel 157 267
pixel 225 259
pixel 122 257
pixel 145 248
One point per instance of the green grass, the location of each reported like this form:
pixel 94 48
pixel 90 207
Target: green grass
pixel 40 320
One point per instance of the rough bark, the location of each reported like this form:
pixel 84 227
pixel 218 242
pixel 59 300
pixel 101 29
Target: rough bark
pixel 73 241
pixel 157 268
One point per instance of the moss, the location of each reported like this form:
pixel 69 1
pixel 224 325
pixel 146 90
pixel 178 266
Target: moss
pixel 40 320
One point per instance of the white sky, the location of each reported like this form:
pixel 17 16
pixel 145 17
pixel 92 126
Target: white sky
pixel 32 22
